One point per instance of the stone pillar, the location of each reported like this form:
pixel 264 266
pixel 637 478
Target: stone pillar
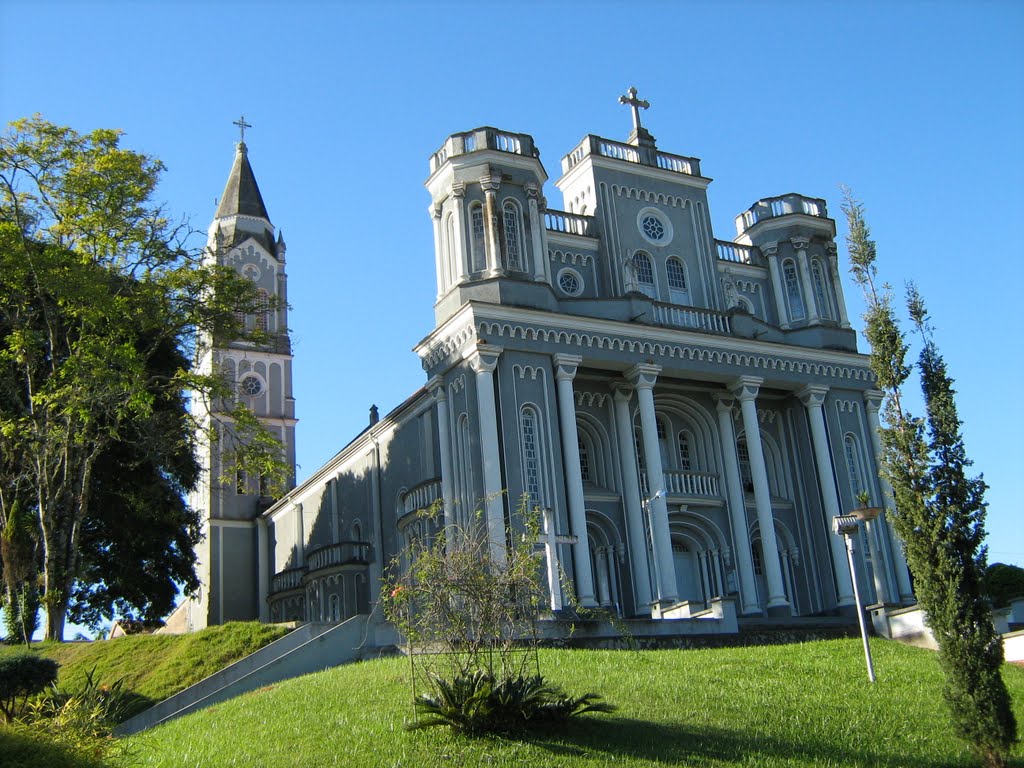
pixel 490 183
pixel 643 377
pixel 837 285
pixel 812 397
pixel 540 249
pixel 737 508
pixel 771 253
pixel 263 563
pixel 811 300
pixel 631 507
pixel 872 400
pixel 565 371
pixel 458 210
pixel 436 388
pixel 746 389
pixel 435 214
pixel 483 360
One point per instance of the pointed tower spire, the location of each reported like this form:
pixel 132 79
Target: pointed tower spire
pixel 242 194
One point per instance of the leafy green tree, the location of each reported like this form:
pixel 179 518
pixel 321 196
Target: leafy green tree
pixel 939 509
pixel 1003 583
pixel 18 553
pixel 95 282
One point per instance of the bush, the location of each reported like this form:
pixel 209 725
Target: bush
pixel 1003 583
pixel 23 675
pixel 477 703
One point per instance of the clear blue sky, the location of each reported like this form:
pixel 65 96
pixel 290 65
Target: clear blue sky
pixel 916 105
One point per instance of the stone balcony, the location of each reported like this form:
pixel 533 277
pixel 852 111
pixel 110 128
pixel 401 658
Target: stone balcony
pixel 480 139
pixel 630 153
pixel 783 205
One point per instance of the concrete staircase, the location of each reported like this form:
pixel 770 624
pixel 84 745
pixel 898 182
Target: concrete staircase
pixel 309 648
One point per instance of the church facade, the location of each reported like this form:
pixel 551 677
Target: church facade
pixel 692 411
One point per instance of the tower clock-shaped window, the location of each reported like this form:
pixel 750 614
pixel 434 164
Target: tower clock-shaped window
pixel 513 236
pixel 676 271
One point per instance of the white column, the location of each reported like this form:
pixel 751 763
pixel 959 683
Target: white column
pixel 771 253
pixel 812 397
pixel 458 207
pixel 490 184
pixel 263 563
pixel 811 300
pixel 540 250
pixel 484 359
pixel 639 568
pixel 746 389
pixel 436 388
pixel 837 284
pixel 435 214
pixel 737 508
pixel 643 377
pixel 565 371
pixel 872 400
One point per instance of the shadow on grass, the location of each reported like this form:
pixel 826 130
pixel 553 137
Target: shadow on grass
pixel 681 745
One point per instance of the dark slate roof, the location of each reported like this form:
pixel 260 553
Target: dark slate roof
pixel 242 193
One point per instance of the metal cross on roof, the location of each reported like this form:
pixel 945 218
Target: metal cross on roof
pixel 242 125
pixel 550 541
pixel 636 104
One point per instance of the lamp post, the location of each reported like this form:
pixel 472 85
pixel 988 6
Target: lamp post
pixel 847 526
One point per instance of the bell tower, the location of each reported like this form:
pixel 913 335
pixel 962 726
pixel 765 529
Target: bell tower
pixel 233 567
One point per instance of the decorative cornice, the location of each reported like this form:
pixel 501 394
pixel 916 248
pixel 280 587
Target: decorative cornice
pixel 522 371
pixel 658 198
pixel 591 399
pixel 847 406
pixel 571 258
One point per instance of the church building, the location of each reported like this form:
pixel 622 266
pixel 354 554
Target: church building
pixel 690 411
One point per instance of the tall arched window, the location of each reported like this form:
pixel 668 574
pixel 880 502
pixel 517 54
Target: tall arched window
pixel 677 288
pixel 476 223
pixel 451 268
pixel 820 291
pixel 532 456
pixel 584 460
pixel 513 236
pixel 644 273
pixel 793 295
pixel 262 310
pixel 853 466
pixel 685 452
pixel 743 454
pixel 464 471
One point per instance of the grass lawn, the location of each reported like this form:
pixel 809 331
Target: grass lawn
pixel 154 667
pixel 797 705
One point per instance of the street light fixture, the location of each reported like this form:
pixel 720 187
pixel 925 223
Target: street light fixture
pixel 848 526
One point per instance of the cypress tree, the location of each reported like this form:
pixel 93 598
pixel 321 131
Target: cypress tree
pixel 939 508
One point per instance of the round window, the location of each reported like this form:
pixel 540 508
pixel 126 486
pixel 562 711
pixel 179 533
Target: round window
pixel 654 226
pixel 570 282
pixel 251 386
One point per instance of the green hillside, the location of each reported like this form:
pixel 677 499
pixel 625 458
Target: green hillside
pixel 796 705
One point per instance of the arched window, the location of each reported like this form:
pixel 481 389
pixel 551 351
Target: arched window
pixel 677 289
pixel 644 273
pixel 532 456
pixel 820 290
pixel 465 472
pixel 513 236
pixel 451 268
pixel 357 531
pixel 476 223
pixel 685 453
pixel 853 466
pixel 743 454
pixel 335 608
pixel 793 295
pixel 584 460
pixel 262 310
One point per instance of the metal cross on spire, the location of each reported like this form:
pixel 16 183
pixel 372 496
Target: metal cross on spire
pixel 636 104
pixel 242 125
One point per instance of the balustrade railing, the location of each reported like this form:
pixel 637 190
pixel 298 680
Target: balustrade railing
pixel 691 317
pixel 569 223
pixel 642 155
pixel 483 138
pixel 783 205
pixel 421 496
pixel 685 483
pixel 340 553
pixel 289 579
pixel 740 254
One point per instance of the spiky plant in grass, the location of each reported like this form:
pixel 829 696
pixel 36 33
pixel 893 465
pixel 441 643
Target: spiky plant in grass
pixel 940 510
pixel 468 619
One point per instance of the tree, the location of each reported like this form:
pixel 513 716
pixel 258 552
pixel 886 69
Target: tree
pixel 18 553
pixel 1003 584
pixel 939 509
pixel 95 282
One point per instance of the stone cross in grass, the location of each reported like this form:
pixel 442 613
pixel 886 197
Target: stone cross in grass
pixel 550 541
